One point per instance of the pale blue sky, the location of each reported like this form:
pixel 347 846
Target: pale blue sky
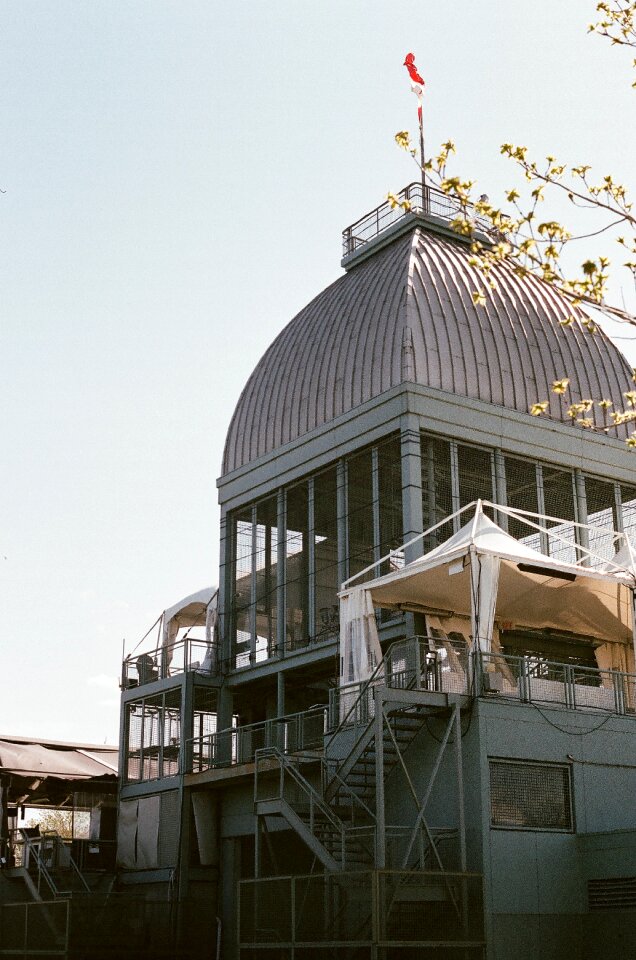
pixel 177 175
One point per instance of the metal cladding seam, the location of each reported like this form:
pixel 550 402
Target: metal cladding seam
pixel 345 347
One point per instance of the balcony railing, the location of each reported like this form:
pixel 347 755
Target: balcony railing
pixel 236 745
pixel 417 663
pixel 371 909
pixel 418 200
pixel 534 680
pixel 182 656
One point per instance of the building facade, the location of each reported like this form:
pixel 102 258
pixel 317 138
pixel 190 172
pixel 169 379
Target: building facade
pixel 426 809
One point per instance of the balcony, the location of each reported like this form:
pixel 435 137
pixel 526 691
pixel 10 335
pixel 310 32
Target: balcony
pixel 414 199
pixel 550 683
pixel 160 663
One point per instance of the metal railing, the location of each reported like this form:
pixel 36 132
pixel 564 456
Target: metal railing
pixel 535 680
pixel 372 908
pixel 289 785
pixel 43 856
pixel 34 929
pixel 431 201
pixel 183 656
pixel 411 664
pixel 236 745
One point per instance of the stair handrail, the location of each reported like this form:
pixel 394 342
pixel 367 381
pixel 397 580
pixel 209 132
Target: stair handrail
pixel 331 775
pixel 59 842
pixel 373 680
pixel 39 861
pixel 287 764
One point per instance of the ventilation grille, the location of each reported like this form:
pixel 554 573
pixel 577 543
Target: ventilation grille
pixel 612 893
pixel 530 796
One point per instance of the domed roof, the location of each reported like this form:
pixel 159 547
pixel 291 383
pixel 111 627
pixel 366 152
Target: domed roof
pixel 406 314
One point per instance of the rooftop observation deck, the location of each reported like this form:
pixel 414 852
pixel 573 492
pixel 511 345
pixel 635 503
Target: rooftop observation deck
pixel 415 202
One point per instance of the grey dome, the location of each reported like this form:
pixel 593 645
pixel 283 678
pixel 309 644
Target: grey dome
pixel 406 314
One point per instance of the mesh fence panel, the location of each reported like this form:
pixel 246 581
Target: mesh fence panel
pixel 601 514
pixel 437 491
pixel 558 495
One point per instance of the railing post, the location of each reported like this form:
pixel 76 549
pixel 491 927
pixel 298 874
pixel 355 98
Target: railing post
pixel 570 687
pixel 418 664
pixel 618 682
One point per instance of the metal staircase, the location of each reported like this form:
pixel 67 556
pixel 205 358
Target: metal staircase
pixel 372 881
pixel 47 867
pixel 340 835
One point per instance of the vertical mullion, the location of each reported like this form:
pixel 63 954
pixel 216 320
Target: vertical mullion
pixel 311 562
pixel 343 548
pixel 582 536
pixel 411 486
pixel 500 486
pixel 456 502
pixel 253 591
pixel 543 537
pixel 375 493
pixel 281 611
pixel 618 508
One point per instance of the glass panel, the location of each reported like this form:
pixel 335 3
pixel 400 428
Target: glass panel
pixel 171 733
pixel 390 488
pixel 601 513
pixel 475 468
pixel 296 568
pixel 266 577
pixel 360 513
pixel 558 494
pixel 152 737
pixel 521 493
pixel 437 491
pixel 242 587
pixel 134 713
pixel 628 501
pixel 326 555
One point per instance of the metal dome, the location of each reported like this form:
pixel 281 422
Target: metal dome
pixel 406 314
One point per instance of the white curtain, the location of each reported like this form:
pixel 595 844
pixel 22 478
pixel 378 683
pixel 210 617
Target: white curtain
pixel 360 650
pixel 484 580
pixel 210 664
pixel 169 635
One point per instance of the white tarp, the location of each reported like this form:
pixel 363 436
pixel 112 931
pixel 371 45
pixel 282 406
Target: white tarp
pixel 531 589
pixel 360 650
pixel 484 574
pixel 197 609
pixel 138 833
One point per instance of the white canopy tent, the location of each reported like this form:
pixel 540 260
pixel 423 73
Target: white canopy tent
pixel 482 572
pixel 197 609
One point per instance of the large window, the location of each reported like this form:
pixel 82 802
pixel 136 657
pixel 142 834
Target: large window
pixel 437 489
pixel 390 501
pixel 360 515
pixel 522 494
pixel 297 568
pixel 325 535
pixel 530 796
pixel 558 498
pixel 475 472
pixel 242 608
pixel 602 514
pixel 266 553
pixel 153 736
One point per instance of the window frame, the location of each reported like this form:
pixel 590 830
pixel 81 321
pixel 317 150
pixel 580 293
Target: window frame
pixel 545 764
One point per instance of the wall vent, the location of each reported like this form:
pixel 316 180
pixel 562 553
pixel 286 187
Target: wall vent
pixel 612 893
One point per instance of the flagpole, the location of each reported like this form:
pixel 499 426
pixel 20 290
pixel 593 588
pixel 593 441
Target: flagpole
pixel 417 86
pixel 424 196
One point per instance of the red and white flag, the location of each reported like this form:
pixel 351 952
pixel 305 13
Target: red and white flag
pixel 417 83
